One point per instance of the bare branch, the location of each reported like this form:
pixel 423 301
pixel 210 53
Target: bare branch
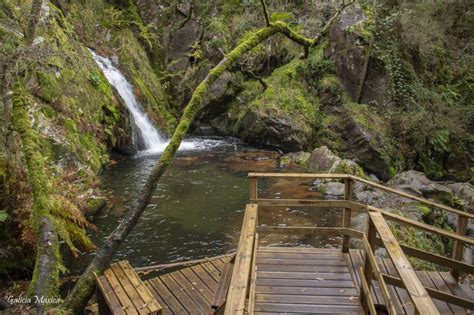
pixel 332 21
pixel 265 12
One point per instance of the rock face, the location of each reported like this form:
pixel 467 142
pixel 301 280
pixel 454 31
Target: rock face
pixel 416 183
pixel 363 79
pixel 464 192
pixel 268 128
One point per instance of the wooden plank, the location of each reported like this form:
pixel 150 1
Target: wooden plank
pixel 458 248
pixel 393 291
pixel 297 268
pixel 109 295
pixel 310 283
pixel 415 289
pixel 358 261
pixel 434 258
pixel 435 294
pixel 298 175
pixel 301 262
pixel 297 250
pixel 218 264
pixel 238 288
pixel 454 286
pixel 127 304
pixel 137 283
pixel 253 188
pixel 368 301
pixel 419 199
pixel 306 291
pixel 422 226
pixel 181 295
pixel 253 278
pixel 205 277
pixel 223 286
pixel 317 203
pixel 307 308
pixel 285 255
pixel 200 286
pixel 303 275
pixel 307 299
pixel 369 255
pixel 212 271
pixel 404 298
pixel 191 291
pixel 442 307
pixel 303 230
pixel 347 214
pixel 165 309
pixel 130 289
pixel 171 301
pixel 442 286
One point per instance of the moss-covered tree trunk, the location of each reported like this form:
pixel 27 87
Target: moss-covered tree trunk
pixel 45 281
pixel 82 291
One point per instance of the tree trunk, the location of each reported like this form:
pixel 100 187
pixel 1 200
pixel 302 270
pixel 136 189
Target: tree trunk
pixel 45 281
pixel 33 20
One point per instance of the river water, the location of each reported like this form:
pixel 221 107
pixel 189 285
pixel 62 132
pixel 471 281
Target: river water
pixel 197 209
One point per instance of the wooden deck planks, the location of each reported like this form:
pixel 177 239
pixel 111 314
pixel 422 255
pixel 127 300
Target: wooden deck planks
pixel 304 280
pixel 441 281
pixel 189 290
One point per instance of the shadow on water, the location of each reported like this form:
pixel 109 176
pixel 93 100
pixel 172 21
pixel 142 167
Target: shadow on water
pixel 197 209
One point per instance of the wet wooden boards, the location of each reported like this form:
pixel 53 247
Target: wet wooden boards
pixel 122 292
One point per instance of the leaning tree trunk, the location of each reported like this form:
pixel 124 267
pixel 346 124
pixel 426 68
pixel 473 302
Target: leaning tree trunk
pixel 77 299
pixel 45 281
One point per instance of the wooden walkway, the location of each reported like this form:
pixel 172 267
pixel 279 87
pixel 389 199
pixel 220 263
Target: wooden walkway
pixel 189 290
pixel 296 280
pixel 304 280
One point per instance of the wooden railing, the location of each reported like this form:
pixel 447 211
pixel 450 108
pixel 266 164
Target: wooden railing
pixel 377 225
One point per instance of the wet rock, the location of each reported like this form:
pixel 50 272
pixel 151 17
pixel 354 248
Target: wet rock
pixel 294 159
pixel 335 189
pixel 418 184
pixel 268 127
pixel 323 160
pixel 465 193
pixel 255 161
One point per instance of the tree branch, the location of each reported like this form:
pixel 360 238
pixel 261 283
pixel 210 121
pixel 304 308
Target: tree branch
pixel 265 12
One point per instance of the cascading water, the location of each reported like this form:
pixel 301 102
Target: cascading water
pixel 152 141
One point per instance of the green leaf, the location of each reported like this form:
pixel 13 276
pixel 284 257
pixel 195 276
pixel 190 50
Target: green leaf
pixel 3 215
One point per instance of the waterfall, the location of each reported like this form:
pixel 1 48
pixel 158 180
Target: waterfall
pixel 151 138
pixel 148 134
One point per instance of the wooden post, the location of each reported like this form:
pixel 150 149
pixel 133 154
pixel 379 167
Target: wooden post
pixel 367 271
pixel 346 220
pixel 458 247
pixel 253 194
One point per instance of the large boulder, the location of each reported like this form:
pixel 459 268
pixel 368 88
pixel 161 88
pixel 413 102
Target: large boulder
pixel 418 184
pixel 273 128
pixel 465 193
pixel 363 79
pixel 323 160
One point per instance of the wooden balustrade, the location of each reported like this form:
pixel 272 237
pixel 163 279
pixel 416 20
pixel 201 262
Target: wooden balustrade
pixel 459 237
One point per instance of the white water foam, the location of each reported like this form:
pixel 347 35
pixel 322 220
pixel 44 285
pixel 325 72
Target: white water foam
pixel 153 141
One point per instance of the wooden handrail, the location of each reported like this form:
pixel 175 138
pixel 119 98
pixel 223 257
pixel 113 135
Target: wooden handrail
pixel 364 181
pixel 420 298
pixel 423 226
pixel 318 230
pixel 412 197
pixel 239 283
